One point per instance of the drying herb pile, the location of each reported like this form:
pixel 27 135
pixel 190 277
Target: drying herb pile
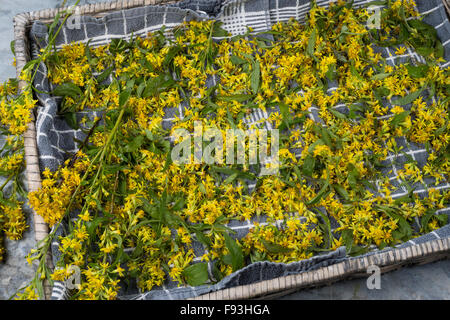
pixel 15 114
pixel 138 212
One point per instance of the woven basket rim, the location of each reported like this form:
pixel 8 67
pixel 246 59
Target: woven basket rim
pixel 387 260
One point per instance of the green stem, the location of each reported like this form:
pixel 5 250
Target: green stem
pixel 6 182
pixel 51 41
pixel 48 240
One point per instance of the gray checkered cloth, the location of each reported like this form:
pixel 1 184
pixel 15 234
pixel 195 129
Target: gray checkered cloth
pixel 55 139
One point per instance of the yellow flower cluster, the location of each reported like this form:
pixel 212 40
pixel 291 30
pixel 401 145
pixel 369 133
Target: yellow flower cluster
pixel 15 113
pixel 52 199
pixel 14 117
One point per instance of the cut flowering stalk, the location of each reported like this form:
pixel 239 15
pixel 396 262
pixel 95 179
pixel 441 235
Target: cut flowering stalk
pixel 43 271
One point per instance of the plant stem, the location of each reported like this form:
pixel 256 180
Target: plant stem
pixel 6 182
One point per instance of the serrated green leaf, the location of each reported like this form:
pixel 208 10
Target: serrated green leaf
pixel 236 255
pixel 123 97
pixel 196 274
pixel 408 98
pixel 67 89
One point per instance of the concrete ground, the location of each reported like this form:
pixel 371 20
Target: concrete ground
pixel 430 281
pixel 426 282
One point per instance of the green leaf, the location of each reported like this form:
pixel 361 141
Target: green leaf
pixel 355 73
pixel 284 110
pixel 71 120
pixel 353 108
pixel 202 238
pixel 324 134
pixel 275 247
pixel 380 76
pixel 30 64
pixel 405 199
pixel 331 73
pixel 353 176
pixel 320 194
pixel 424 51
pixel 168 161
pixel 298 173
pixel 442 218
pixel 218 31
pixel 237 60
pixel 405 228
pixel 381 92
pixel 340 56
pixel 314 145
pixel 407 99
pixel 347 239
pixel 417 71
pixel 236 97
pixel 158 84
pixel 87 52
pixel 425 219
pixel 230 179
pixel 311 43
pixel 341 191
pixel 399 118
pixel 122 184
pixel 326 227
pixel 308 165
pixel 140 89
pixel 179 204
pixel 231 171
pixel 104 75
pixel 425 29
pixel 39 287
pixel 123 97
pixel 12 45
pixel 196 274
pixel 439 50
pixel 338 114
pixel 173 51
pixel 255 78
pixel 67 89
pixel 202 188
pixel 134 145
pixel 236 255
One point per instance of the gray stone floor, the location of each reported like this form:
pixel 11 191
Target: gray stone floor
pixel 430 281
pixel 427 282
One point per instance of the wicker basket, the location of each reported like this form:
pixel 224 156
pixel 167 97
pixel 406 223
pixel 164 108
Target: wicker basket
pixel 387 261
